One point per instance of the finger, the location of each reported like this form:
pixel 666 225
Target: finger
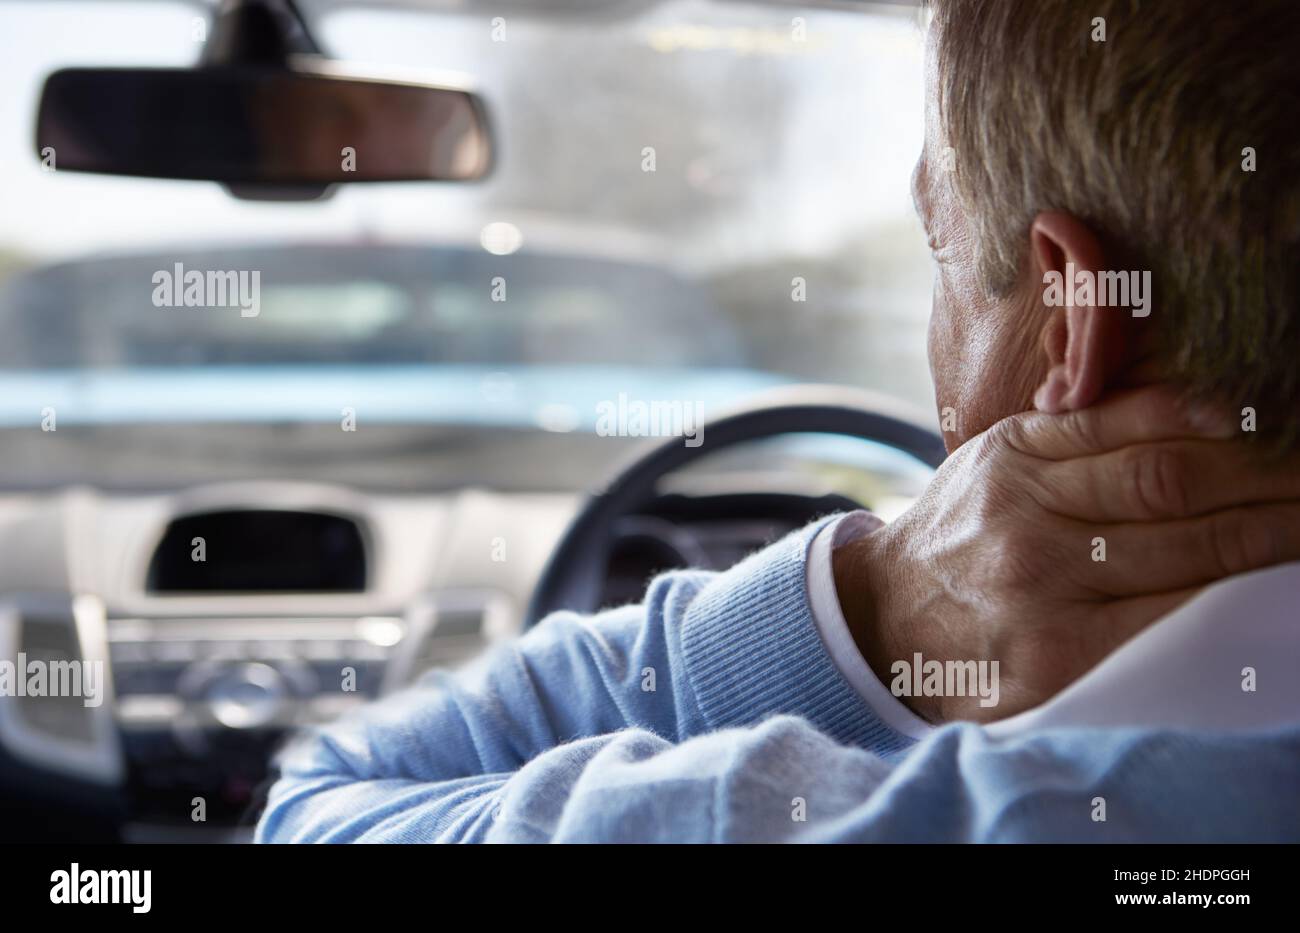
pixel 1156 557
pixel 1144 415
pixel 1152 482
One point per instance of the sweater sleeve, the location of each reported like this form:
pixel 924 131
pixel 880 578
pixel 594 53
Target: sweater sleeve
pixel 713 713
pixel 704 653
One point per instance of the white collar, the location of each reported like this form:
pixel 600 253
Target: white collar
pixel 1192 668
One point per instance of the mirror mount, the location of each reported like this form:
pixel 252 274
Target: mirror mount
pixel 266 33
pixel 257 32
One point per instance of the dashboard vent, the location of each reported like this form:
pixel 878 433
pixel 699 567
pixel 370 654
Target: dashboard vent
pixel 450 629
pixel 61 717
pixel 456 637
pixel 52 644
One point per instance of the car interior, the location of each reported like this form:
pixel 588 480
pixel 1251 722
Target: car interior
pixel 343 340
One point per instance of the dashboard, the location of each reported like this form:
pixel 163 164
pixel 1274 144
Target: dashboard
pixel 225 616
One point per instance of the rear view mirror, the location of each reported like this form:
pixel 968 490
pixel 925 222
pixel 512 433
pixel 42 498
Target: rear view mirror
pixel 249 125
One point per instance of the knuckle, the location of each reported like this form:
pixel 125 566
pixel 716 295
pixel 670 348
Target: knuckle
pixel 1024 563
pixel 1046 487
pixel 1019 568
pixel 1160 482
pixel 1007 434
pixel 1082 424
pixel 1243 541
pixel 1017 571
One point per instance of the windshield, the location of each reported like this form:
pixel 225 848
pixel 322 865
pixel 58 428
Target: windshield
pixel 688 197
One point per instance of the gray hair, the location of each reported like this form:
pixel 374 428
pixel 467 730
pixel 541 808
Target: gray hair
pixel 1146 137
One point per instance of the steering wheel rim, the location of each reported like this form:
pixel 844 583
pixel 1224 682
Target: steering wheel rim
pixel 574 574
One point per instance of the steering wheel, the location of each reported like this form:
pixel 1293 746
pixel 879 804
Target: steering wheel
pixel 574 576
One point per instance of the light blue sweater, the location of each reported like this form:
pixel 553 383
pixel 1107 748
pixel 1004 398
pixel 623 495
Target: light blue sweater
pixel 713 713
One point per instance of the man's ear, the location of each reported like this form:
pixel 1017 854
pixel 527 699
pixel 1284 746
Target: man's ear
pixel 1086 346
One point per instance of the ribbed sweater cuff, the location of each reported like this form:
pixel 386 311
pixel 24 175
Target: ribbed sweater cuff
pixel 752 650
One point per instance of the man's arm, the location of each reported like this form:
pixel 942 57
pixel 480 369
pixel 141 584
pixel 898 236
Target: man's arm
pixel 783 781
pixel 706 652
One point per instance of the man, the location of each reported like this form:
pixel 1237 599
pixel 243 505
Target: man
pixel 1082 631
